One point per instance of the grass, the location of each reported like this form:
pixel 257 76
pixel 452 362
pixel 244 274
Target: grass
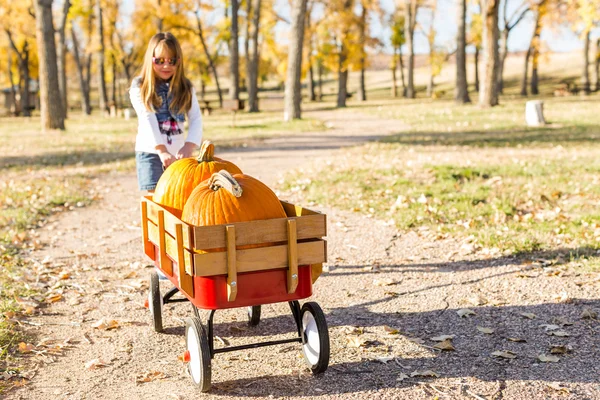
pixel 47 173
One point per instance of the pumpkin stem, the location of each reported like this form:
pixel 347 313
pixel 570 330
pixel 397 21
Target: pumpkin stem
pixel 223 179
pixel 207 152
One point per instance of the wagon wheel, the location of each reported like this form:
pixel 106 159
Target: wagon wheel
pixel 253 315
pixel 198 352
pixel 155 302
pixel 315 337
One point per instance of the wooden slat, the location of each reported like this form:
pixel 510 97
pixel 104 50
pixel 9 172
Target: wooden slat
pixel 292 273
pixel 259 259
pixel 148 247
pixel 186 282
pixel 171 222
pixel 256 232
pixel 231 263
pixel 292 210
pixel 171 247
pixel 165 263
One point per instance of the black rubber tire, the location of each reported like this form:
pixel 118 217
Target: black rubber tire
pixel 254 315
pixel 316 358
pixel 199 352
pixel 155 302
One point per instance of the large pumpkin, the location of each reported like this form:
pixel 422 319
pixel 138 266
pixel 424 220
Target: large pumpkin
pixel 224 199
pixel 178 181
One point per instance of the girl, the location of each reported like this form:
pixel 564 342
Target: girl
pixel 162 96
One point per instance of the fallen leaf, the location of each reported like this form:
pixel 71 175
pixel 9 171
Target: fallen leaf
pixel 478 300
pixel 353 330
pixel 445 345
pixel 518 340
pixel 441 338
pixel 355 341
pixel 588 314
pixel 384 360
pixel 557 386
pixel 402 376
pixel 528 315
pixel 487 331
pixel 416 340
pixel 25 347
pixel 549 327
pixel 149 377
pixel 106 325
pixel 463 312
pixel 559 333
pixel 64 275
pixel 545 358
pixel 237 329
pixel 384 282
pixel 95 364
pixel 558 349
pixel 426 373
pixel 390 330
pixel 54 298
pixel 504 354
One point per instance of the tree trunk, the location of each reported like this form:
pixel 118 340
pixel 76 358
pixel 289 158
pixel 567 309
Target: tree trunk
pixel 83 85
pixel 61 53
pixel 102 95
pixel 23 57
pixel 430 85
pixel 585 75
pixel 476 61
pixel 311 82
pixel 362 91
pixel 320 81
pixel 401 65
pixel 535 53
pixel 393 68
pixel 597 65
pixel 234 62
pixel 51 107
pixel 159 18
pixel 211 64
pixel 114 80
pixel 488 93
pixel 293 90
pixel 409 30
pixel 254 60
pixel 13 93
pixel 342 93
pixel 503 55
pixel 461 92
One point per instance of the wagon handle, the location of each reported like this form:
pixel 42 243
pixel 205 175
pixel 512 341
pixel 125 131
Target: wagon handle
pixel 231 263
pixel 292 273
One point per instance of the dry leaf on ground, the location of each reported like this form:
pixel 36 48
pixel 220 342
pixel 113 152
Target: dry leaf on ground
pixel 557 386
pixel 384 282
pixel 355 341
pixel 517 340
pixel 504 354
pixel 559 333
pixel 104 325
pixel 588 314
pixel 445 345
pixel 25 347
pixel 441 338
pixel 353 330
pixel 528 315
pixel 426 373
pixel 384 360
pixel 545 358
pixel 558 349
pixel 96 363
pixel 463 312
pixel 402 376
pixel 416 340
pixel 390 330
pixel 54 298
pixel 549 327
pixel 487 331
pixel 149 377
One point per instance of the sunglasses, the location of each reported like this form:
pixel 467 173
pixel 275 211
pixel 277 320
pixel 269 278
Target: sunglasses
pixel 161 60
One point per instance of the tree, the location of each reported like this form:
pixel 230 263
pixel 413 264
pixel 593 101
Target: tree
pixel 461 92
pixel 102 94
pixel 535 46
pixel 309 32
pixel 488 92
pixel 234 62
pixel 253 60
pixel 293 94
pixel 51 108
pixel 398 40
pixel 61 53
pixel 475 38
pixel 508 23
pixel 410 22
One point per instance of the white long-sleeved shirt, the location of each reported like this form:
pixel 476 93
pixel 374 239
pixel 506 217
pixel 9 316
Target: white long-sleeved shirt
pixel 149 136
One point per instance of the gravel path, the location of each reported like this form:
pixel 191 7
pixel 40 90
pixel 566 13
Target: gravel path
pixel 385 295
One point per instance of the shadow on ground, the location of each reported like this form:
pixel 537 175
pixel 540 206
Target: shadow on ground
pixel 66 158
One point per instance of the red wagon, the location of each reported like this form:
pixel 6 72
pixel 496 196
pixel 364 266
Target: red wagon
pixel 245 264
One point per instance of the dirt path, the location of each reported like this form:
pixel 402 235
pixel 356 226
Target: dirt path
pixel 429 281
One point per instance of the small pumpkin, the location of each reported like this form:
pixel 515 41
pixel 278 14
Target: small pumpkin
pixel 177 182
pixel 226 198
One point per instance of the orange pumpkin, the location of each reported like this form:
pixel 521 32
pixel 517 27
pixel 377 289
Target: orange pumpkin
pixel 224 199
pixel 178 181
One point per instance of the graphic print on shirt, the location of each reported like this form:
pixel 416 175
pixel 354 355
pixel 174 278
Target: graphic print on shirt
pixel 168 123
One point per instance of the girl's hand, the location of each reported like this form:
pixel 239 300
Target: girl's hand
pixel 166 158
pixel 186 151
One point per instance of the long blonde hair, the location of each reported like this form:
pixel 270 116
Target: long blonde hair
pixel 180 88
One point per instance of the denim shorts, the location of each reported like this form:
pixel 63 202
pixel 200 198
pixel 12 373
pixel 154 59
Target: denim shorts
pixel 149 169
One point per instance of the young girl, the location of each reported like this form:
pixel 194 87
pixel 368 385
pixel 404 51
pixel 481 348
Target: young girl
pixel 162 96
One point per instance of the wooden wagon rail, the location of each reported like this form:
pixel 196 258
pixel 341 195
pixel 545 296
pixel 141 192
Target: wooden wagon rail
pixel 215 250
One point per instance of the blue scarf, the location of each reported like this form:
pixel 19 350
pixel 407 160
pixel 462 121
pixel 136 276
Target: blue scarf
pixel 167 121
